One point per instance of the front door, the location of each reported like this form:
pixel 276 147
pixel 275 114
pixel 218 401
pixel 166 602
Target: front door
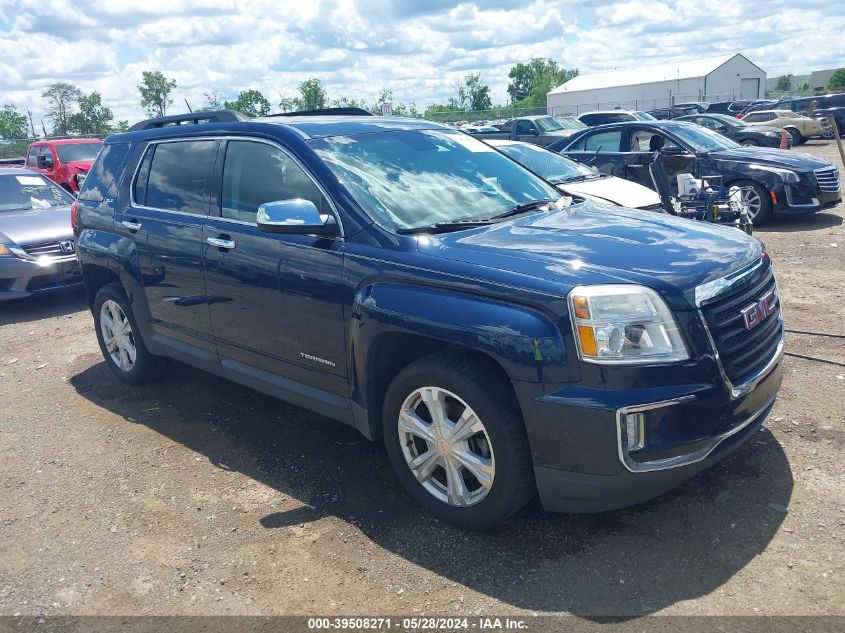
pixel 169 206
pixel 643 142
pixel 276 301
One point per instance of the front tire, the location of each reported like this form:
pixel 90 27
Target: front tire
pixel 758 199
pixel 749 142
pixel 120 339
pixel 455 437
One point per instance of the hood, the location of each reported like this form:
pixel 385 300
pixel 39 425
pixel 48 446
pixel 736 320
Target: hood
pixel 612 189
pixel 593 244
pixel 80 165
pixel 782 158
pixel 35 226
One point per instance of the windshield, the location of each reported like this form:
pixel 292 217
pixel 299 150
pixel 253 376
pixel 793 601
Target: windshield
pixel 643 116
pixel 702 139
pixel 551 166
pixel 78 151
pixel 414 178
pixel 26 190
pixel 548 124
pixel 570 123
pixel 729 121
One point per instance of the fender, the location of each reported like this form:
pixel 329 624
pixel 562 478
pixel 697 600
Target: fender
pixel 524 342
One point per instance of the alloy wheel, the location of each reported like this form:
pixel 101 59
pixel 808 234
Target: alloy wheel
pixel 117 335
pixel 446 446
pixel 752 201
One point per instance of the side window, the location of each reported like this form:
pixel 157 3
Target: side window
pixel 506 126
pixel 100 183
pixel 44 152
pixel 139 187
pixel 255 173
pixel 603 141
pixel 179 176
pixel 524 127
pixel 640 140
pixel 753 118
pixel 30 158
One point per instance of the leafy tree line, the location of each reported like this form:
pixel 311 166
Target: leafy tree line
pixel 70 111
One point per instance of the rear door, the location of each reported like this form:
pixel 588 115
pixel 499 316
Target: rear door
pixel 164 220
pixel 601 149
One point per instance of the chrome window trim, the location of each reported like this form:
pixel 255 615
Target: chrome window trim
pixel 678 460
pixel 249 139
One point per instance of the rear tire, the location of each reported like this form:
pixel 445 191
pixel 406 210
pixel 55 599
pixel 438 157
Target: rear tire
pixel 120 339
pixel 456 439
pixel 758 199
pixel 797 138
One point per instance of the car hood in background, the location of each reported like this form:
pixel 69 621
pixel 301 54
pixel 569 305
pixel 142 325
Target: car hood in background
pixel 36 226
pixel 612 189
pixel 81 165
pixel 590 243
pixel 773 157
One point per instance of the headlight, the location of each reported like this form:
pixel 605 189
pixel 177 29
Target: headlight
pixel 624 325
pixel 4 251
pixel 785 174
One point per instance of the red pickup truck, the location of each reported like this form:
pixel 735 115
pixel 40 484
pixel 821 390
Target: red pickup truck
pixel 64 161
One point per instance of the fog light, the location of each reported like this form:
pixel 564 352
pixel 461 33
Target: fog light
pixel 635 430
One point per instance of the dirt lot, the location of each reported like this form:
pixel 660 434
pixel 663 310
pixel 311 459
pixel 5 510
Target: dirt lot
pixel 196 496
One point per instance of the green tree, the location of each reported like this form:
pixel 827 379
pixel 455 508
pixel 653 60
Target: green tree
pixel 155 91
pixel 60 97
pixel 346 102
pixel 438 108
pixel 784 83
pixel 120 126
pixel 12 123
pixel 473 95
pixel 213 101
pixel 93 117
pixel 250 102
pixel 837 80
pixel 531 82
pixel 313 97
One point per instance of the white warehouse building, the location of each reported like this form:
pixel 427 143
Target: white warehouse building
pixel 723 78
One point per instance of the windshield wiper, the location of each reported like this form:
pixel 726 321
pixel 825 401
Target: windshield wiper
pixel 522 208
pixel 445 227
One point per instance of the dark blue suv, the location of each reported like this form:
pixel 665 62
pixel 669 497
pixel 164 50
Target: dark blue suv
pixel 409 280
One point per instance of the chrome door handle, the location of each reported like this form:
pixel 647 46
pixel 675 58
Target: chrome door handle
pixel 219 242
pixel 132 226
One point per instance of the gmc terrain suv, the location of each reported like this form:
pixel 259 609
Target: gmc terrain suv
pixel 413 282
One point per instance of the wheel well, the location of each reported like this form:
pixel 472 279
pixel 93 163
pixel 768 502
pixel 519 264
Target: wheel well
pixel 95 278
pixel 393 352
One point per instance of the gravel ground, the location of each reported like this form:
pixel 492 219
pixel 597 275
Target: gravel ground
pixel 197 496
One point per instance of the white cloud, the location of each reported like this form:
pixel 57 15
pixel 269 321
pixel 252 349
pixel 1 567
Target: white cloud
pixel 420 50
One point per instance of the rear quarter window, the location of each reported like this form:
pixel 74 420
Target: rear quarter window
pixel 102 179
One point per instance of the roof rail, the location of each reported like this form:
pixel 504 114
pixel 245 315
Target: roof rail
pixel 210 116
pixel 327 112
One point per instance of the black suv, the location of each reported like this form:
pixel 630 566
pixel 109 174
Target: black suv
pixel 409 280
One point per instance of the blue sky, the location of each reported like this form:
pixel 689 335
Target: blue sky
pixel 419 50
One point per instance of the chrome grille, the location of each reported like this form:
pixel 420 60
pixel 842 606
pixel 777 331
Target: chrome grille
pixel 828 179
pixel 51 249
pixel 742 351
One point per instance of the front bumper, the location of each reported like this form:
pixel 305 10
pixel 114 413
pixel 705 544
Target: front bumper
pixel 805 197
pixel 21 278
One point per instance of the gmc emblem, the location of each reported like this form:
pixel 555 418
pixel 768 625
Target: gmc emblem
pixel 756 313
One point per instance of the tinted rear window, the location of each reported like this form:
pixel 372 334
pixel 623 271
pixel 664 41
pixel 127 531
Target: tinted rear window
pixel 101 182
pixel 179 176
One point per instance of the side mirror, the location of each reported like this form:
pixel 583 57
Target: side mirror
pixel 297 217
pixel 673 150
pixel 44 162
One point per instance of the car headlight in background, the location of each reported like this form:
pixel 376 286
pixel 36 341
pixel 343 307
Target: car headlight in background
pixel 786 175
pixel 11 250
pixel 4 251
pixel 619 324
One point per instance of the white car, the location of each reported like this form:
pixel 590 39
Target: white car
pixel 576 179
